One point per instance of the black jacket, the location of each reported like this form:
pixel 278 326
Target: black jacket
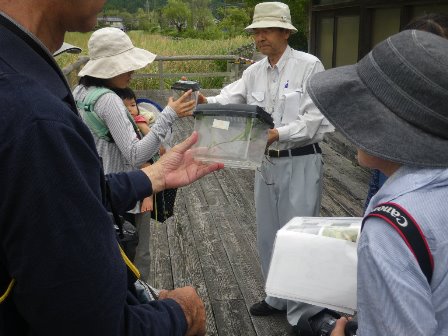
pixel 56 238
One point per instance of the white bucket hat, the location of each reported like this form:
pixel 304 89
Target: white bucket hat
pixel 271 15
pixel 112 53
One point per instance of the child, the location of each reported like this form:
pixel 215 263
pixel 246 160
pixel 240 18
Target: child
pixel 142 121
pixel 141 118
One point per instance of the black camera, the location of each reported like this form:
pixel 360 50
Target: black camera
pixel 317 321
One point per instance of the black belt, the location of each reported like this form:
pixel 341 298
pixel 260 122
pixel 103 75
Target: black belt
pixel 305 150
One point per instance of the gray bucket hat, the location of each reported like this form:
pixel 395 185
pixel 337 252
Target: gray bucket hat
pixel 271 15
pixel 392 104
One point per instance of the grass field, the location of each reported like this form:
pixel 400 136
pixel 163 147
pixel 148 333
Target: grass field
pixel 166 46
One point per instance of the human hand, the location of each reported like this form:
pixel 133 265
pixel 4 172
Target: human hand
pixel 339 327
pixel 177 167
pixel 272 136
pixel 202 99
pixel 147 204
pixel 184 105
pixel 192 306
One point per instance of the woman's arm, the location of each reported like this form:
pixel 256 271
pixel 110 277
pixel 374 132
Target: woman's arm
pixel 112 111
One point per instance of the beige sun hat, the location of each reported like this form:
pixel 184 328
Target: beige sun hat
pixel 271 15
pixel 112 53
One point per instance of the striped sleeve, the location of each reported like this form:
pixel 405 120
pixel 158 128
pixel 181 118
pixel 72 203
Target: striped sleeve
pixel 136 152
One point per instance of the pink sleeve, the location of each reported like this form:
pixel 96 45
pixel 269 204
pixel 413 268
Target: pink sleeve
pixel 139 119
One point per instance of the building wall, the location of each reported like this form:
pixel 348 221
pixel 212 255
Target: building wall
pixel 343 31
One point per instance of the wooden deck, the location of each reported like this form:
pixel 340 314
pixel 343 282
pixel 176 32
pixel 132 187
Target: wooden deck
pixel 210 243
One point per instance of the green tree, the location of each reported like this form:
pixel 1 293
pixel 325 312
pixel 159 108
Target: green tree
pixel 129 20
pixel 177 13
pixel 201 15
pixel 234 20
pixel 125 5
pixel 147 21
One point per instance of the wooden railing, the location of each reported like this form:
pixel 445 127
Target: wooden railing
pixel 71 71
pixel 232 73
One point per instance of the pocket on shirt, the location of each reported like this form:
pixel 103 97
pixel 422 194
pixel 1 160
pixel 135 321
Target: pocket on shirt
pixel 289 105
pixel 256 98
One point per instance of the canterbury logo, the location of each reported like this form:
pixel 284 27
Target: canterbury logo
pixel 394 213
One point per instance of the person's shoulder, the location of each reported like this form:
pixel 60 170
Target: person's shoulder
pixel 27 105
pixel 34 101
pixel 255 67
pixel 262 62
pixel 106 98
pixel 302 56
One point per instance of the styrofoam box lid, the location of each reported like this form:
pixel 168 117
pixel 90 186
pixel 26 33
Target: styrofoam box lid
pixel 234 110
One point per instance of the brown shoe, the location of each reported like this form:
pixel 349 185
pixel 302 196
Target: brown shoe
pixel 263 309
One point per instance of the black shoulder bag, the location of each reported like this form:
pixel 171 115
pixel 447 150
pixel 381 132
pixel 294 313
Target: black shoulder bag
pixel 163 201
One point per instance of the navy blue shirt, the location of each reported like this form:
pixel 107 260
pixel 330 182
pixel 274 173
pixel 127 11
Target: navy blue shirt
pixel 56 238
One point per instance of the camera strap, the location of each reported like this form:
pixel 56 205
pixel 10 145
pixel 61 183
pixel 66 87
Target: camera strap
pixel 409 230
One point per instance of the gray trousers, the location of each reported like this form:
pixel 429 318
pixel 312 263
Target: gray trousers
pixel 142 254
pixel 285 188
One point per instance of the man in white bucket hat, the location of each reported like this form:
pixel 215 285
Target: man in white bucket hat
pixel 289 182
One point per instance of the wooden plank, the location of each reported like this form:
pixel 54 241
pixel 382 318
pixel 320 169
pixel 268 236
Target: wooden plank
pixel 345 185
pixel 240 197
pixel 238 184
pixel 219 277
pixel 229 310
pixel 186 266
pixel 218 274
pixel 160 271
pixel 212 190
pixel 246 267
pixel 232 319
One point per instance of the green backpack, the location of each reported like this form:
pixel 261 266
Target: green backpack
pixel 93 121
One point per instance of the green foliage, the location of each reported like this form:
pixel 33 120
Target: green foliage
pixel 201 15
pixel 165 46
pixel 234 20
pixel 206 19
pixel 177 14
pixel 211 33
pixel 190 18
pixel 132 6
pixel 148 22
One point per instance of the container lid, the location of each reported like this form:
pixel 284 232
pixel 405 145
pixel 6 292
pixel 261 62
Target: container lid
pixel 234 110
pixel 185 85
